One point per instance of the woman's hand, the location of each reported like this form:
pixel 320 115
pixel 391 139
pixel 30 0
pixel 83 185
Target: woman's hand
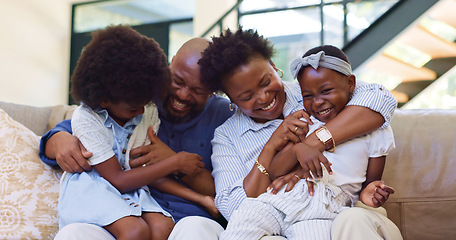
pixel 290 181
pixel 310 160
pixel 375 194
pixel 293 128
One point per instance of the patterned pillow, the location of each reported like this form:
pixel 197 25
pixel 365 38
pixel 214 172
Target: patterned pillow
pixel 29 189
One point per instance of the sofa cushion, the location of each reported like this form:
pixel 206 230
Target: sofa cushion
pixel 29 189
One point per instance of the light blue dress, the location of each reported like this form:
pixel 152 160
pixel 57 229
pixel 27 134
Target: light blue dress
pixel 89 198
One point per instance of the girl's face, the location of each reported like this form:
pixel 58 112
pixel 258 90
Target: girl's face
pixel 325 92
pixel 122 112
pixel 256 89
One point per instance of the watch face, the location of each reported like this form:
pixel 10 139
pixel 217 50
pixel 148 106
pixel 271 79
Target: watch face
pixel 323 134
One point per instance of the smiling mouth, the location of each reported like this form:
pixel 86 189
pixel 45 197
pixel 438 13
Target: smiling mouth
pixel 324 111
pixel 178 104
pixel 270 105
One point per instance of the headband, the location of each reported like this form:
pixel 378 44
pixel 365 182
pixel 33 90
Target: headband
pixel 319 59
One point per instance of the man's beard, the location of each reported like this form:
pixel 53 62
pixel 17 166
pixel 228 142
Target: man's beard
pixel 168 116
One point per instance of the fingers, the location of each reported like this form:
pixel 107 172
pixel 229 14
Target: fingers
pixel 310 186
pixel 277 185
pixel 139 161
pixel 327 164
pixel 292 182
pixel 152 136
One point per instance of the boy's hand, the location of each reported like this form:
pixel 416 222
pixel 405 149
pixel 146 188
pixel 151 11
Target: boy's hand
pixel 375 194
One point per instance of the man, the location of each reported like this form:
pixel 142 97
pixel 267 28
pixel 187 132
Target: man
pixel 189 116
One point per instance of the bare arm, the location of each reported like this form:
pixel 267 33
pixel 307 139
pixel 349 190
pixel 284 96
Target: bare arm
pixel 157 151
pixel 188 163
pixel 352 122
pixel 170 186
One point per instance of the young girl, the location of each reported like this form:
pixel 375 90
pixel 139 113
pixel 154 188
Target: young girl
pixel 118 74
pixel 327 85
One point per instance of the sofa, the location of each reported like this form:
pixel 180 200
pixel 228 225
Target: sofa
pixel 422 170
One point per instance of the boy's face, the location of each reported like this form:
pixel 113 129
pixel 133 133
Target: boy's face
pixel 325 92
pixel 122 112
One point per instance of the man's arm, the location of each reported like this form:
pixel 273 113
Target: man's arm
pixel 58 147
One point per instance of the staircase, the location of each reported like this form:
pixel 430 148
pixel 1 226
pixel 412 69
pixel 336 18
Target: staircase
pixel 419 54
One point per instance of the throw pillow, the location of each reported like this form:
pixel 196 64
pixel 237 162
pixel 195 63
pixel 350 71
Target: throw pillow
pixel 29 189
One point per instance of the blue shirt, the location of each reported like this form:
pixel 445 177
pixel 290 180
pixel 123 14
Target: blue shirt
pixel 194 136
pixel 239 141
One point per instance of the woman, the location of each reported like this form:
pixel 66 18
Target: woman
pixel 267 118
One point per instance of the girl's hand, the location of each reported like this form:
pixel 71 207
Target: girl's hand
pixel 189 163
pixel 375 194
pixel 310 160
pixel 293 128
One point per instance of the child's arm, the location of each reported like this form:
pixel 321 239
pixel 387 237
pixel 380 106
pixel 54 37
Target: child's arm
pixel 374 192
pixel 172 187
pixel 157 151
pixel 124 181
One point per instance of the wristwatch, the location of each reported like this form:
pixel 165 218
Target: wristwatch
pixel 325 137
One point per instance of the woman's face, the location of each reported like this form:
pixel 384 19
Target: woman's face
pixel 256 89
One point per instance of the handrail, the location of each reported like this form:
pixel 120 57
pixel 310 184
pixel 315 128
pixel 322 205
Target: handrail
pixel 220 21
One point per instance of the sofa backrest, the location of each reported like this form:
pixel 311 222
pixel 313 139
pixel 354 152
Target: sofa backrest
pixel 422 170
pixel 34 118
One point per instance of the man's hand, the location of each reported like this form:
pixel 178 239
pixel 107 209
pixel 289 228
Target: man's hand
pixel 152 153
pixel 375 194
pixel 69 153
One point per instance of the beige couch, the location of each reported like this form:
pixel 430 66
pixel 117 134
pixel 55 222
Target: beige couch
pixel 422 169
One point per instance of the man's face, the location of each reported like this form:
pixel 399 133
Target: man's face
pixel 187 96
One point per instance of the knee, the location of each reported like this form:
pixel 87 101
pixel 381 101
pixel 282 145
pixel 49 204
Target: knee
pixel 140 231
pixel 353 219
pixel 162 229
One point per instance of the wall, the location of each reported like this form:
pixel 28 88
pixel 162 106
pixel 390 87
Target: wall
pixel 35 47
pixel 34 51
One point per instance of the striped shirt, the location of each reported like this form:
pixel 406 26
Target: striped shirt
pixel 239 141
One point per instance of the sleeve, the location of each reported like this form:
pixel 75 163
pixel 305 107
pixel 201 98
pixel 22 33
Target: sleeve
pixel 89 128
pixel 381 142
pixel 229 172
pixel 64 125
pixel 376 97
